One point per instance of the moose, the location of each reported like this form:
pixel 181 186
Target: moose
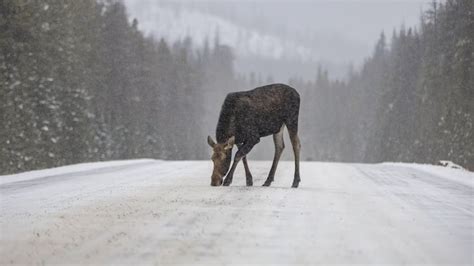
pixel 247 116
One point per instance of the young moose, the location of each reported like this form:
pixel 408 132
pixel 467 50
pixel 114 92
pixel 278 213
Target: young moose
pixel 246 117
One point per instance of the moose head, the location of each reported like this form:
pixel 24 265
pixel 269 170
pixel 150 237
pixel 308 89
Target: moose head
pixel 221 157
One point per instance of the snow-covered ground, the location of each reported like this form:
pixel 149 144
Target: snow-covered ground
pixel 165 212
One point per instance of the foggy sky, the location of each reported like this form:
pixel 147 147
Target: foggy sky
pixel 337 32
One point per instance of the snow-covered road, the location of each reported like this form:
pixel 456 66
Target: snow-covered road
pixel 165 212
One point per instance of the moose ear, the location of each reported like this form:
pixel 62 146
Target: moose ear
pixel 210 141
pixel 230 143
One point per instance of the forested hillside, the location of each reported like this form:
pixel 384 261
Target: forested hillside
pixel 412 101
pixel 79 82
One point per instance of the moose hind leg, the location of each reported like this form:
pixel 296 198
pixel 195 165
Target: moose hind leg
pixel 248 175
pixel 279 147
pixel 295 142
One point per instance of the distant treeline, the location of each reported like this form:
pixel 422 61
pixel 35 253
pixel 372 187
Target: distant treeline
pixel 412 101
pixel 79 82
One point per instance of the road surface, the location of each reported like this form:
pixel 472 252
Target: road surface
pixel 165 212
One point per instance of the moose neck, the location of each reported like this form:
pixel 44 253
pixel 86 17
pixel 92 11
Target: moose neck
pixel 225 127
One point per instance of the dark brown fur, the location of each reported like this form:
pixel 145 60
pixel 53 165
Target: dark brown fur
pixel 246 117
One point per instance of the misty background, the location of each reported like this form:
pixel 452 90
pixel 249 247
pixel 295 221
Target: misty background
pixel 281 39
pixel 101 80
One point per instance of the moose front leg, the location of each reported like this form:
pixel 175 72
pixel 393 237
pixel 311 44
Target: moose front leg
pixel 248 175
pixel 242 152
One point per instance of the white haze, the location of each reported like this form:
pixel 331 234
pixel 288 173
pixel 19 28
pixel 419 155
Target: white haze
pixel 280 38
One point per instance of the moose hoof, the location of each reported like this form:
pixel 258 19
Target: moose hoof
pixel 249 184
pixel 227 182
pixel 295 184
pixel 267 183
